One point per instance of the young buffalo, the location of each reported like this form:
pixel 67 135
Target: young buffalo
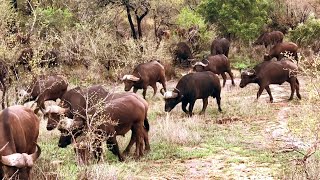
pixel 280 49
pixel 193 86
pixel 218 64
pixel 272 72
pixel 144 75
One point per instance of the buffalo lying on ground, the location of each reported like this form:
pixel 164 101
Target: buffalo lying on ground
pixel 144 75
pixel 220 46
pixel 218 64
pixel 19 130
pixel 115 118
pixel 269 38
pixel 193 86
pixel 279 50
pixel 182 53
pixel 272 72
pixel 44 88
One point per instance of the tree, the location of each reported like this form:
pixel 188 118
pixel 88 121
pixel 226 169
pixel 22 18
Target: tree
pixel 140 8
pixel 242 18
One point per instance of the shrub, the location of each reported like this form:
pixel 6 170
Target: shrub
pixel 307 34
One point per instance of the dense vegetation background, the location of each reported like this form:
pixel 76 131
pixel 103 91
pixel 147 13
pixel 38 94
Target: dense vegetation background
pixel 101 40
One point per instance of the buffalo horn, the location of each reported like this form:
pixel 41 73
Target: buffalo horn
pixel 21 160
pixel 162 91
pixel 66 123
pixel 130 77
pixel 55 109
pixel 170 94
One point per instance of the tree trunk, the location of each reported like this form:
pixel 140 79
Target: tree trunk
pixel 139 19
pixel 133 31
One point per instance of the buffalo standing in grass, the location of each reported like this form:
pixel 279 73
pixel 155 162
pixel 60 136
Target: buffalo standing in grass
pixel 269 38
pixel 272 72
pixel 278 51
pixel 19 130
pixel 182 54
pixel 193 86
pixel 44 88
pixel 116 118
pixel 144 75
pixel 218 64
pixel 220 46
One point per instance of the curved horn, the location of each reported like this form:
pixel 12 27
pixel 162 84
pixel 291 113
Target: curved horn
pixel 170 94
pixel 56 109
pixel 21 160
pixel 162 91
pixel 250 72
pixel 130 77
pixel 36 154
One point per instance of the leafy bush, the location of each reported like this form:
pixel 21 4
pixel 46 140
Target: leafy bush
pixel 307 34
pixel 242 18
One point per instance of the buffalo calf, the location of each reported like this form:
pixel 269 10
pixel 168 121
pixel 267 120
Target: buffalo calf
pixel 144 75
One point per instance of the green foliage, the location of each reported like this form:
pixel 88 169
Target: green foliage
pixel 188 18
pixel 242 18
pixel 53 17
pixel 307 33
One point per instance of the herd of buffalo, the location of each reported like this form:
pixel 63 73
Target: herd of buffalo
pixel 93 109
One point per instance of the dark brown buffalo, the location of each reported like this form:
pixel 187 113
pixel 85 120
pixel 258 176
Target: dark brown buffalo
pixel 49 59
pixel 218 64
pixel 19 130
pixel 272 72
pixel 74 103
pixel 220 46
pixel 44 88
pixel 279 50
pixel 193 86
pixel 182 53
pixel 144 75
pixel 116 118
pixel 269 38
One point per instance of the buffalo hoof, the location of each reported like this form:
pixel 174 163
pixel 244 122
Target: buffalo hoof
pixel 299 96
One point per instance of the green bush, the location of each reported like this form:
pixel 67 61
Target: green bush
pixel 242 18
pixel 306 34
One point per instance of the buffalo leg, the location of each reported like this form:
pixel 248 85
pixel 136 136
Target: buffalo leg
pixel 132 141
pixel 184 106
pixel 231 76
pixel 297 88
pixel 205 104
pixel 154 86
pixel 114 147
pixel 269 92
pixel 163 82
pixel 191 107
pixel 224 77
pixel 261 88
pixel 97 150
pixel 135 89
pixel 218 98
pixel 293 87
pixel 144 92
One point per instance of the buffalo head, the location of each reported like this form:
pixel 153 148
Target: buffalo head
pixel 129 81
pixel 23 96
pixel 247 77
pixel 70 129
pixel 200 66
pixel 18 165
pixel 172 98
pixel 54 113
